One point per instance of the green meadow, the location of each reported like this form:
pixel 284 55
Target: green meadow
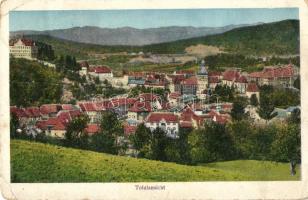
pixel 38 162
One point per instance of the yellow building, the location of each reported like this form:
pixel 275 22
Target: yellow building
pixel 23 48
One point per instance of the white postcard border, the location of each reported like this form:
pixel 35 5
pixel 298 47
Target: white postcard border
pixel 178 190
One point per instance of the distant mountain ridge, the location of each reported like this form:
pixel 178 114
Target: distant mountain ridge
pixel 277 38
pixel 128 35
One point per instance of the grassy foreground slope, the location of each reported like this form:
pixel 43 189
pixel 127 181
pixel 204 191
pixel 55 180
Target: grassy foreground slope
pixel 37 162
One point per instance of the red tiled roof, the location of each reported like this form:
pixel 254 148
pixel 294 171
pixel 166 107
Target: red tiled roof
pixel 26 42
pixel 100 69
pixel 227 106
pixel 67 107
pixel 213 79
pixel 64 117
pixel 178 79
pixel 67 116
pixel 123 101
pixel 252 87
pixel 88 107
pixel 54 123
pixel 231 75
pixel 190 81
pixel 185 72
pixel 84 64
pixel 161 83
pixel 136 74
pixel 174 95
pixel 128 130
pixel 186 124
pixel 74 113
pixel 196 106
pixel 222 119
pixel 157 117
pixel 241 79
pixel 92 129
pixel 148 97
pixel 214 73
pixel 274 72
pixel 102 105
pixel 212 113
pixel 141 107
pixel 166 106
pixel 217 117
pixel 19 112
pixel 33 112
pixel 188 115
pixel 50 108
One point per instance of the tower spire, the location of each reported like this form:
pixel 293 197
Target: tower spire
pixel 202 69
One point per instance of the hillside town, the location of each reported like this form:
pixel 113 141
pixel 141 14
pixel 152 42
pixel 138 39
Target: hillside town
pixel 185 103
pixel 155 95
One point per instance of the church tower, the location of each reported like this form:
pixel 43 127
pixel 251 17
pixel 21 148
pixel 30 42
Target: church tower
pixel 202 78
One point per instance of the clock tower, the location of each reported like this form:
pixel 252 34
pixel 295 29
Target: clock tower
pixel 202 79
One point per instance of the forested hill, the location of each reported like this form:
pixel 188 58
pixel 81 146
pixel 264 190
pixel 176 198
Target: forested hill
pixel 278 38
pixel 31 83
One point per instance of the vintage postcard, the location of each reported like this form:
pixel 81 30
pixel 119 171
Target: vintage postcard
pixel 153 99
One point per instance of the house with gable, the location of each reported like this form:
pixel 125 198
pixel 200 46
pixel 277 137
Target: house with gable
pixel 188 119
pixel 252 88
pixel 276 76
pixel 166 121
pixel 102 72
pixel 53 127
pixel 230 76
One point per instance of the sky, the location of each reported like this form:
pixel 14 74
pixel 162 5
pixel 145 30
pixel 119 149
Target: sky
pixel 49 20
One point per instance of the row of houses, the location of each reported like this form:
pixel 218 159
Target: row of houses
pixel 147 108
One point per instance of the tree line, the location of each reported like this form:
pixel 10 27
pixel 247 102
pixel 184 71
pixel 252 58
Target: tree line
pixel 216 142
pixel 33 84
pixel 239 139
pixel 224 61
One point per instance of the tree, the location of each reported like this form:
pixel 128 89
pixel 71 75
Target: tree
pixel 109 138
pixel 75 132
pixel 103 142
pixel 254 100
pixel 242 132
pixel 212 143
pixel 295 116
pixel 238 109
pixel 183 145
pixel 266 104
pixel 261 140
pixel 197 150
pixel 14 125
pixel 31 83
pixel 297 83
pixel 158 145
pixel 172 150
pixel 140 139
pixel 224 92
pixel 287 144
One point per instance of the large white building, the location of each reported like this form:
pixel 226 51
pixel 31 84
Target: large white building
pixel 23 48
pixel 102 72
pixel 168 122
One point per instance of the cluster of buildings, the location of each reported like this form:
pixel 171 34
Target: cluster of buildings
pixel 183 106
pixel 147 108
